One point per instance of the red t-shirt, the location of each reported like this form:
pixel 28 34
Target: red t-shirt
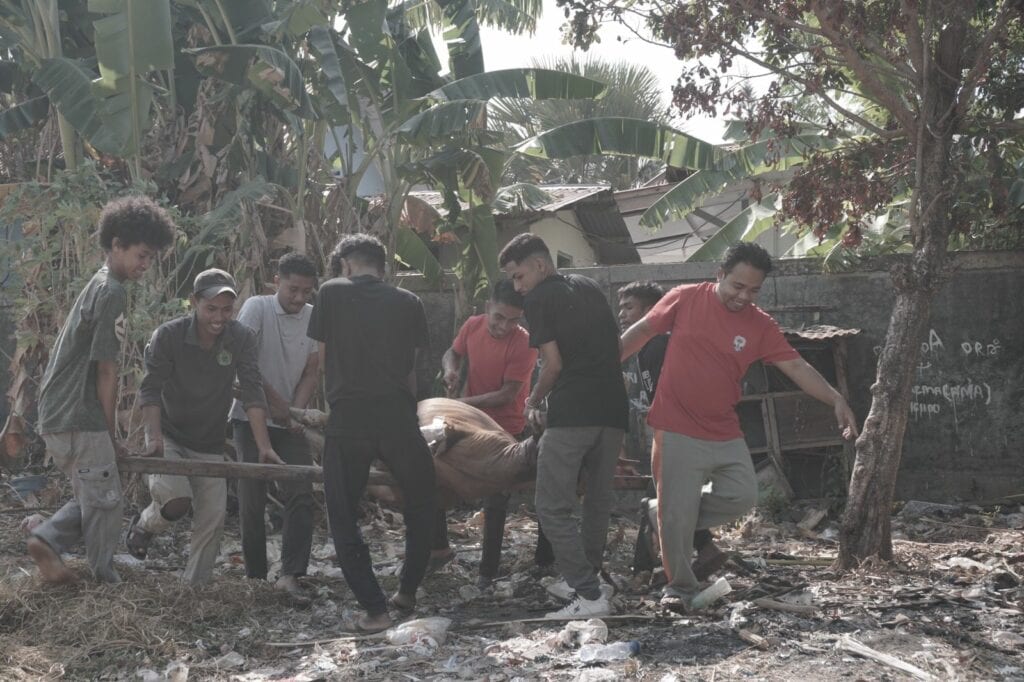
pixel 492 362
pixel 708 353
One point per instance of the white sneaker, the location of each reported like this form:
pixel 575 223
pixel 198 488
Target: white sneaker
pixel 561 590
pixel 582 608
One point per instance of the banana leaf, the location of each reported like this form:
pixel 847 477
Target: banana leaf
pixel 626 137
pixel 746 226
pixel 264 68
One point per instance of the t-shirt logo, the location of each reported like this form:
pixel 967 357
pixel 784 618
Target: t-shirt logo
pixel 738 343
pixel 224 358
pixel 120 328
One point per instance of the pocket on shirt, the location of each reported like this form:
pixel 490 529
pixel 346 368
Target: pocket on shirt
pixel 99 486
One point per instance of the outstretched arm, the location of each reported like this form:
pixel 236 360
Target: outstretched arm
pixel 812 383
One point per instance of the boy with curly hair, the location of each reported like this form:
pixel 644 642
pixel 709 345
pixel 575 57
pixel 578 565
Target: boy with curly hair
pixel 77 398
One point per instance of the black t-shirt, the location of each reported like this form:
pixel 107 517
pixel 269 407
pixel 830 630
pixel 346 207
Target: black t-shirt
pixel 650 358
pixel 371 332
pixel 572 311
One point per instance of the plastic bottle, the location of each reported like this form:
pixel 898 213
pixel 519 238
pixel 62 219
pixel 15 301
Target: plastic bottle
pixel 602 653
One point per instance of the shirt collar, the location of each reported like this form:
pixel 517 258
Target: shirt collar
pixel 192 336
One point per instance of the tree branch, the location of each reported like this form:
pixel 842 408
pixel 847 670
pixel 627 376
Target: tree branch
pixel 981 61
pixel 878 90
pixel 860 120
pixel 915 43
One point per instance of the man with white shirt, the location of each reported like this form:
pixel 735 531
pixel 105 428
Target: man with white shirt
pixel 289 364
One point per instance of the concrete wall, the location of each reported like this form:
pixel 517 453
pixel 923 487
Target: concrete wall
pixel 555 232
pixel 965 435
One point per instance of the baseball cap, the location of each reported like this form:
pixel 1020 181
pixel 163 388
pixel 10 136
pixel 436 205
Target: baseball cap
pixel 213 282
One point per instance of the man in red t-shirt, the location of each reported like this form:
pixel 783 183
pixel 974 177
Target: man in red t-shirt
pixel 716 334
pixel 500 360
pixel 497 382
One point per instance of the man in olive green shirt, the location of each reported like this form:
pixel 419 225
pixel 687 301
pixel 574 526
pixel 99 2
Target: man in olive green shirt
pixel 77 399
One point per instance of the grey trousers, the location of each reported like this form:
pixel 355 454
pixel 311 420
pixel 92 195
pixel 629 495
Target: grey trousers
pixel 681 466
pixel 568 455
pixel 209 498
pixel 94 514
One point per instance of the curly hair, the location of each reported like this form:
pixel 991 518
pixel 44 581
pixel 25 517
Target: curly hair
pixel 135 220
pixel 296 264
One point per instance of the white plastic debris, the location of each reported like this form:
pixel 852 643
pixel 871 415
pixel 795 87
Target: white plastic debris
pixel 176 671
pixel 583 632
pixel 421 629
pixel 709 595
pixel 231 659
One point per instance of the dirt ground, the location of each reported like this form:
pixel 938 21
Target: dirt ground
pixel 949 608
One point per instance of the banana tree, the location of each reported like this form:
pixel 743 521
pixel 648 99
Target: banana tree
pixel 418 127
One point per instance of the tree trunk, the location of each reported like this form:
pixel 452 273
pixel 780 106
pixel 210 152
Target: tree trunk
pixel 865 526
pixel 865 529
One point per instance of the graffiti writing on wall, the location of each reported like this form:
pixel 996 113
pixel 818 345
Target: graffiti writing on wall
pixel 936 393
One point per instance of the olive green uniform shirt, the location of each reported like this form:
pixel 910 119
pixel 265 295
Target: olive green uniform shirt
pixel 93 332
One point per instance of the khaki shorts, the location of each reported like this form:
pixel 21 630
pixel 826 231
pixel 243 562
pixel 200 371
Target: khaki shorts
pixel 89 460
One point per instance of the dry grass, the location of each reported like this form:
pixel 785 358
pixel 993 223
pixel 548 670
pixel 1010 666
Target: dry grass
pixel 84 630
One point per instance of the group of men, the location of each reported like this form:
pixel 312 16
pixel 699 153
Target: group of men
pixel 692 347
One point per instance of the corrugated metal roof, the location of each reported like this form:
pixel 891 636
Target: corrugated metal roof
pixel 562 196
pixel 820 332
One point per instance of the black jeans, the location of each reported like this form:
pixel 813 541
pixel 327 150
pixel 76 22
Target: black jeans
pixel 348 453
pixel 297 497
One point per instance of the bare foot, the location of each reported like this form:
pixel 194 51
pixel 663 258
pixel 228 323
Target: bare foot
pixel 51 568
pixel 368 623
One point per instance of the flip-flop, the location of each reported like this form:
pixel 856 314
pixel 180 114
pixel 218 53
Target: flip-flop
pixel 402 608
pixel 363 629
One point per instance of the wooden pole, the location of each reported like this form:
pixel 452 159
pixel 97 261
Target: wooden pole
pixel 225 469
pixel 273 472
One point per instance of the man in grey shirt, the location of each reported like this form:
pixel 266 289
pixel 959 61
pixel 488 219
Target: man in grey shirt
pixel 191 365
pixel 78 397
pixel 288 362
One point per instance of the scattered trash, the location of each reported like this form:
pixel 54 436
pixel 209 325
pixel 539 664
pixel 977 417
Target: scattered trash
pixel 711 594
pixel 583 632
pixel 603 653
pixel 230 660
pixel 434 629
pixel 916 508
pixel 1009 640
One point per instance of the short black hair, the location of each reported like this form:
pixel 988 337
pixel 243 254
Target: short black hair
pixel 296 264
pixel 754 255
pixel 521 247
pixel 361 247
pixel 134 220
pixel 505 292
pixel 645 291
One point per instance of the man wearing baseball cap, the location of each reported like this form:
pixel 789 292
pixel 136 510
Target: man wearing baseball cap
pixel 191 365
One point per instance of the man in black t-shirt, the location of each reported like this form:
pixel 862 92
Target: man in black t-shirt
pixel 370 334
pixel 643 369
pixel 573 326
